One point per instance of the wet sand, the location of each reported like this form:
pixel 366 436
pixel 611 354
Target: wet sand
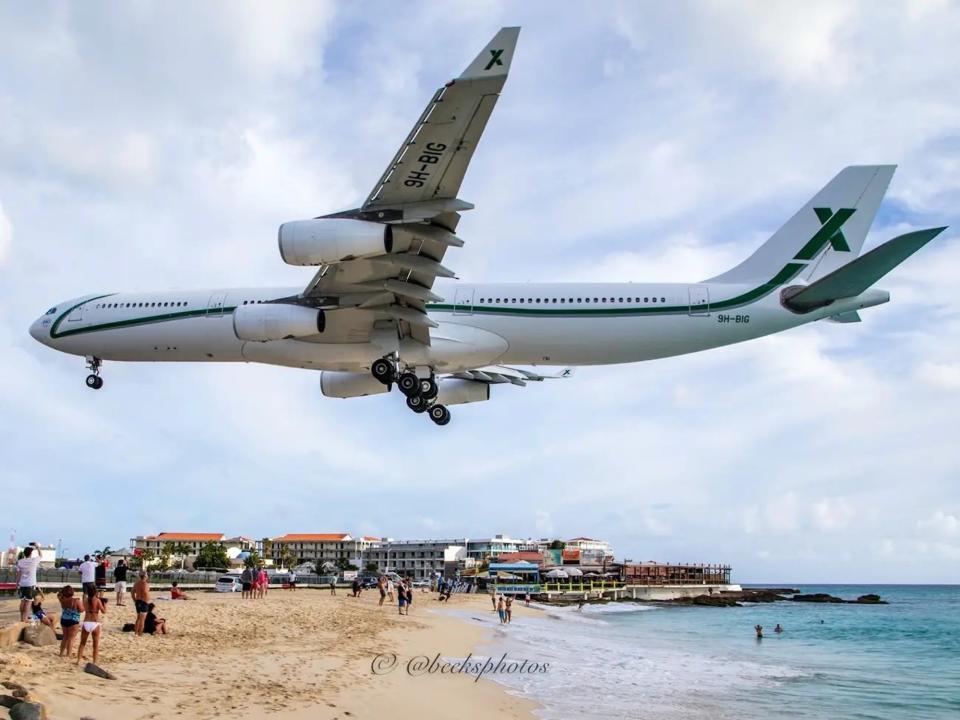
pixel 302 654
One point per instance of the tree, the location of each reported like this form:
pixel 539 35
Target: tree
pixel 371 566
pixel 557 545
pixel 287 557
pixel 266 545
pixel 253 560
pixel 212 555
pixel 165 554
pixel 143 560
pixel 181 549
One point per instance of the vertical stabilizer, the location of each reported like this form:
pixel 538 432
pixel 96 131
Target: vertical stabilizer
pixel 826 233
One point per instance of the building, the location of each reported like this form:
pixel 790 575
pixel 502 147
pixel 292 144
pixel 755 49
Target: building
pixel 492 548
pixel 319 548
pixel 191 543
pixel 654 573
pixel 48 556
pixel 419 559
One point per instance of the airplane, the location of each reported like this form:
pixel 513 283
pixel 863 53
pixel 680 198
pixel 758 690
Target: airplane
pixel 374 314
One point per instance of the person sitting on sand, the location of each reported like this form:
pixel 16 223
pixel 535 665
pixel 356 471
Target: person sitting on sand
pixel 90 627
pixel 36 609
pixel 152 624
pixel 759 630
pixel 70 612
pixel 176 593
pixel 778 629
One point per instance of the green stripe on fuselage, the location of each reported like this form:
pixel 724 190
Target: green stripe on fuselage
pixel 133 322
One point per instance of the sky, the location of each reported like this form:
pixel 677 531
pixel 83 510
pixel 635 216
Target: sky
pixel 148 146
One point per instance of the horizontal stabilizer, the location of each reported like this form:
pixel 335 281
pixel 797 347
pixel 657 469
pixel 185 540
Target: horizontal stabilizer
pixel 858 275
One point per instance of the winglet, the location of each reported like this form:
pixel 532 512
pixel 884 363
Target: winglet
pixel 495 58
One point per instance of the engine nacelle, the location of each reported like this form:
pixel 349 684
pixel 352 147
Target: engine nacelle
pixel 455 391
pixel 331 240
pixel 338 384
pixel 276 321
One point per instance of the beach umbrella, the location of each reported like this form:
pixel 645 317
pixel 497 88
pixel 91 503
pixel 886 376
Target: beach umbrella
pixel 557 574
pixel 574 572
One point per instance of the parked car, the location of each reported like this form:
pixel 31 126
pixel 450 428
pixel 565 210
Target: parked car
pixel 421 583
pixel 228 583
pixel 368 582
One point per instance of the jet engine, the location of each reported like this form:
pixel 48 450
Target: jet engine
pixel 276 321
pixel 324 241
pixel 338 384
pixel 454 391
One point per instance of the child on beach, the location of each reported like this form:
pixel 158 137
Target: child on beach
pixel 70 607
pixel 36 609
pixel 90 627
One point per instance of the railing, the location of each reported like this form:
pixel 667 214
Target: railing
pixel 582 586
pixel 63 576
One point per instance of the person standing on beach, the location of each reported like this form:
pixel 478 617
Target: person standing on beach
pixel 333 586
pixel 88 573
pixel 90 627
pixel 389 590
pixel 502 610
pixel 382 587
pixel 401 598
pixel 141 601
pixel 509 608
pixel 264 582
pixel 293 580
pixel 408 590
pixel 493 600
pixel 120 581
pixel 27 567
pixel 246 583
pixel 100 576
pixel 70 613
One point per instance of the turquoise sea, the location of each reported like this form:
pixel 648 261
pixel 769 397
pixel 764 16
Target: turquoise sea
pixel 628 660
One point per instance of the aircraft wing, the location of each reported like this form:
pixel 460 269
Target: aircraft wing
pixel 417 196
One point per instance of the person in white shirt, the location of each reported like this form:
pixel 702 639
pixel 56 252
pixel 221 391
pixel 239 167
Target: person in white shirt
pixel 27 579
pixel 88 573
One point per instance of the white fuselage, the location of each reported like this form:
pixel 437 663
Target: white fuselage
pixel 482 324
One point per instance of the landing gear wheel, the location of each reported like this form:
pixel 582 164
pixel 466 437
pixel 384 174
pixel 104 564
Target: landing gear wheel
pixel 439 414
pixel 428 388
pixel 416 403
pixel 382 370
pixel 94 382
pixel 409 384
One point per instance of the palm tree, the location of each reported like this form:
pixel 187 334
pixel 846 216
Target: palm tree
pixel 103 553
pixel 182 549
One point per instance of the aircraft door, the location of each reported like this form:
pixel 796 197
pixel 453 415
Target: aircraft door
pixel 699 300
pixel 76 314
pixel 463 301
pixel 215 304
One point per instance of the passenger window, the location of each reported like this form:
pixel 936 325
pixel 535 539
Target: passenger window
pixel 646 299
pixel 663 299
pixel 654 299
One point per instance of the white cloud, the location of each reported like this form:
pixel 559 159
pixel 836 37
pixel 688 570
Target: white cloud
pixel 6 236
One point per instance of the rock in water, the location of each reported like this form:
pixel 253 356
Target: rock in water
pixel 39 635
pixel 817 598
pixel 870 599
pixel 98 671
pixel 28 711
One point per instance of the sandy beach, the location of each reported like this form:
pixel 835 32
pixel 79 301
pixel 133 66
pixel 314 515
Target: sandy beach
pixel 303 654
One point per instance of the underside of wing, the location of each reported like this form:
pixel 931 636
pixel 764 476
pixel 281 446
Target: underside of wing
pixel 399 236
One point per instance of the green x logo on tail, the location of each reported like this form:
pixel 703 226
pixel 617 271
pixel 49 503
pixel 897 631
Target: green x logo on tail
pixel 829 232
pixel 495 60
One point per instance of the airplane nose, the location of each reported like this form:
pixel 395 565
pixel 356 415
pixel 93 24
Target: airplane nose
pixel 38 332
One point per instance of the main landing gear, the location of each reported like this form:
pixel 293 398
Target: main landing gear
pixel 94 381
pixel 421 393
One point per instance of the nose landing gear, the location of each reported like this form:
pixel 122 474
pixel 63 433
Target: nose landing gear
pixel 94 381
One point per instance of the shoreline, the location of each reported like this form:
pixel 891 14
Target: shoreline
pixel 300 654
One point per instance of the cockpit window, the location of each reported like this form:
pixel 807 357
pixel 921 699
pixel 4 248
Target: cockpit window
pixel 51 311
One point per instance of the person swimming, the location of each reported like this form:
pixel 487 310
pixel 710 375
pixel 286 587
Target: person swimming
pixel 778 629
pixel 759 630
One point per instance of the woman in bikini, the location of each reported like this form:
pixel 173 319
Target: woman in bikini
pixel 92 609
pixel 70 607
